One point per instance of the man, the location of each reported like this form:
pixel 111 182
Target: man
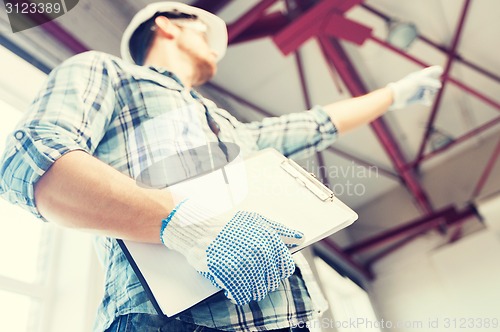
pixel 100 122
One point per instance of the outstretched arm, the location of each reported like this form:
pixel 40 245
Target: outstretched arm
pixel 351 113
pixel 416 88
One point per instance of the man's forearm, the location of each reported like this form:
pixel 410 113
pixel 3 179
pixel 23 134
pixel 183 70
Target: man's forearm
pixel 79 191
pixel 351 113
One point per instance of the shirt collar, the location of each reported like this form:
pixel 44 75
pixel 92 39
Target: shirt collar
pixel 167 73
pixel 195 94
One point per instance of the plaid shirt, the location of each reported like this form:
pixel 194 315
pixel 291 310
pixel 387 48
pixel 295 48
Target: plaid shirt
pixel 129 117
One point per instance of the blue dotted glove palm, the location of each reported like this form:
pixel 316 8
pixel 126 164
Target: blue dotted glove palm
pixel 416 88
pixel 243 253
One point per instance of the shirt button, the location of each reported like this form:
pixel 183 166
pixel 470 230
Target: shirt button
pixel 19 135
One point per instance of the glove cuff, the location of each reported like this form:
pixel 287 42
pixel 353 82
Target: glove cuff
pixel 395 103
pixel 168 219
pixel 188 227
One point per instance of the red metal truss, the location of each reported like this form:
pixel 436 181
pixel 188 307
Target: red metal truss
pixel 307 100
pixel 304 27
pixel 319 19
pixel 314 22
pixel 65 37
pixel 265 26
pixel 356 87
pixel 331 68
pixel 338 250
pixel 303 81
pixel 319 155
pixel 274 24
pixel 448 216
pixel 247 19
pixel 210 5
pixel 271 25
pixel 336 25
pixel 487 171
pixel 398 232
pixel 287 35
pixel 413 230
pixel 446 74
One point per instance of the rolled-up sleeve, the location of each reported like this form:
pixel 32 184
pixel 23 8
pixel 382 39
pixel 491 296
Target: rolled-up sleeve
pixel 70 113
pixel 295 135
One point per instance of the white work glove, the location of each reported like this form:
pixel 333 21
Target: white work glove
pixel 243 253
pixel 417 88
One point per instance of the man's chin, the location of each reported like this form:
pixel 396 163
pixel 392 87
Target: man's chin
pixel 207 70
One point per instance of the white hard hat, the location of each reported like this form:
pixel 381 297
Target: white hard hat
pixel 216 33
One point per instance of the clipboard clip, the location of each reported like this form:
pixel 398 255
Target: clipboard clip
pixel 308 180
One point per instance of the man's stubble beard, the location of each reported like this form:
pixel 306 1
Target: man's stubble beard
pixel 205 67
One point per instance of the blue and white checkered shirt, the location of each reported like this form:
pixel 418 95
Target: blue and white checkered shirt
pixel 129 117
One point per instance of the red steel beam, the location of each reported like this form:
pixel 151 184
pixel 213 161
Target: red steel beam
pixel 304 27
pixel 321 17
pixel 348 4
pixel 487 171
pixel 247 19
pixel 356 87
pixel 446 75
pixel 210 5
pixel 456 141
pixel 302 77
pixel 269 26
pixel 422 224
pixel 386 252
pixel 337 26
pixel 265 26
pixel 457 218
pixel 307 100
pixel 63 36
pixel 459 84
pixel 331 68
pixel 338 250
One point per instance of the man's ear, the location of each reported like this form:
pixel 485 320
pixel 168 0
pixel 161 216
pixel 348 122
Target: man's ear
pixel 165 27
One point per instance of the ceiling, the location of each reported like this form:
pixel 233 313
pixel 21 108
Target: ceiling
pixel 255 78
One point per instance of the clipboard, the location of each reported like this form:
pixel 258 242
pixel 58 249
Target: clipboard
pixel 273 186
